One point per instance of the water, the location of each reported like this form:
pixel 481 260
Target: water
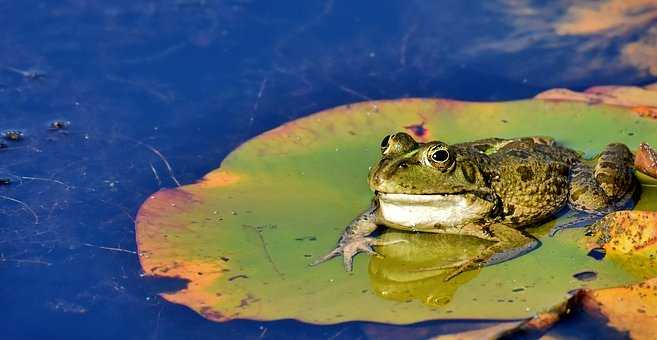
pixel 192 79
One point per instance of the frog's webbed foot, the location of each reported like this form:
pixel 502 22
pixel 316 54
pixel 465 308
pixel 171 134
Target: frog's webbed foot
pixel 349 247
pixel 356 239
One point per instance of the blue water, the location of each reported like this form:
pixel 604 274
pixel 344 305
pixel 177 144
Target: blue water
pixel 193 79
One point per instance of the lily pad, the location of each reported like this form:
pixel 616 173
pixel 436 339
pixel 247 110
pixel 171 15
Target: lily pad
pixel 244 235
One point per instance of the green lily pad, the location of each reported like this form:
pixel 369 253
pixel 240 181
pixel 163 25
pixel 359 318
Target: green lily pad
pixel 245 234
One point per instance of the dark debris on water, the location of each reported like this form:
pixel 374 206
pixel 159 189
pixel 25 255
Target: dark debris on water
pixel 597 253
pixel 586 275
pixel 59 124
pixel 12 135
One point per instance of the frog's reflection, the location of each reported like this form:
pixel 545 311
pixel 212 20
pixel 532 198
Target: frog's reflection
pixel 416 269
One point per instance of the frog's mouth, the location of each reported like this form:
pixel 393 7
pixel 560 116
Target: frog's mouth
pixel 429 211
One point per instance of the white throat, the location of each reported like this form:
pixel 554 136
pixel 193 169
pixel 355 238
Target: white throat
pixel 427 211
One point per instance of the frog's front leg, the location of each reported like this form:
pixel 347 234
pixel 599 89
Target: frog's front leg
pixel 355 239
pixel 509 243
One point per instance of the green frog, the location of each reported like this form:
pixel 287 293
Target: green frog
pixel 490 189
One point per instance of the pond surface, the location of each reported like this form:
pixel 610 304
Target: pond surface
pixel 148 94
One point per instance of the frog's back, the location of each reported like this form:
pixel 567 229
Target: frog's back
pixel 531 179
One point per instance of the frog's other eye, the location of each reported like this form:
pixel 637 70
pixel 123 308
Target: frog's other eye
pixel 397 143
pixel 385 143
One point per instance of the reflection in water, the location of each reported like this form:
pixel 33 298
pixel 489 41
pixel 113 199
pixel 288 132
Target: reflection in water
pixel 416 270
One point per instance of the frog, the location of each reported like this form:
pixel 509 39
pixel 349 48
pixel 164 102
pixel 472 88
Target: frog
pixel 493 189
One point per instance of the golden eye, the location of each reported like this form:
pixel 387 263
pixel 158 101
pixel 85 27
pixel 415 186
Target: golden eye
pixel 439 156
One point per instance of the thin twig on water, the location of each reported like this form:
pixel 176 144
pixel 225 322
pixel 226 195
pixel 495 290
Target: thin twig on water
pixel 164 160
pixel 265 249
pixel 45 263
pixel 110 248
pixel 263 84
pixel 353 92
pixel 262 334
pixel 45 180
pixel 25 206
pixel 157 177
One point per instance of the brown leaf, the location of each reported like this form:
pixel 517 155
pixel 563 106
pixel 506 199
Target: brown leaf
pixel 646 160
pixel 632 309
pixel 625 232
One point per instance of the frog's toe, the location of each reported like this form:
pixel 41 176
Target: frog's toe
pixel 348 261
pixel 348 249
pixel 335 252
pixel 368 249
pixel 353 247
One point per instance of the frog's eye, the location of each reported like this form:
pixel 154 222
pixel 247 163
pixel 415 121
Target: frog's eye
pixel 440 156
pixel 385 143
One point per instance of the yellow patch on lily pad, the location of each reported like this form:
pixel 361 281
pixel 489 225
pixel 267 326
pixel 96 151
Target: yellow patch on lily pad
pixel 244 235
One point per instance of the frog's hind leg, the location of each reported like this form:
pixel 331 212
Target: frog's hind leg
pixel 608 185
pixel 602 188
pixel 614 172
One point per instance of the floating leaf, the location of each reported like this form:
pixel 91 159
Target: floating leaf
pixel 627 232
pixel 646 160
pixel 632 309
pixel 642 100
pixel 244 235
pixel 611 312
pixel 629 239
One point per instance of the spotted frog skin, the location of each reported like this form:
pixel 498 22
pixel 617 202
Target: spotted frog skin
pixel 490 189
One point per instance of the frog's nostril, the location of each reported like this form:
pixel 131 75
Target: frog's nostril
pixel 402 165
